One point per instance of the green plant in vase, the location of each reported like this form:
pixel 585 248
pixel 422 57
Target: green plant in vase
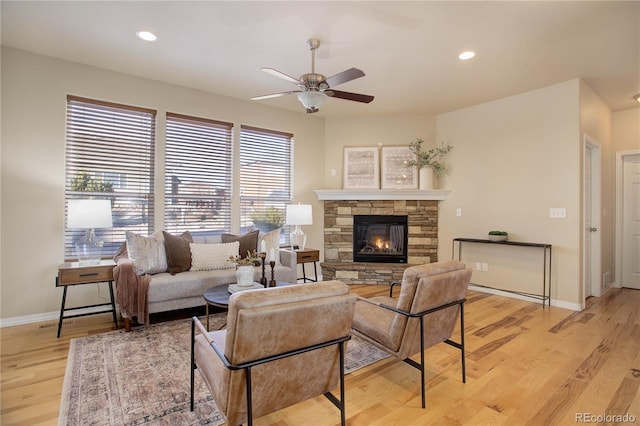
pixel 428 161
pixel 428 158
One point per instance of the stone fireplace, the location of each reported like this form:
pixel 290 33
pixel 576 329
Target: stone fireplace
pixel 340 207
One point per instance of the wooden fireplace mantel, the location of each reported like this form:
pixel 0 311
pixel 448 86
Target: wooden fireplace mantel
pixel 381 194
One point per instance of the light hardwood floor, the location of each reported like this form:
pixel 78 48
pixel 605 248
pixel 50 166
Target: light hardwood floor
pixel 525 365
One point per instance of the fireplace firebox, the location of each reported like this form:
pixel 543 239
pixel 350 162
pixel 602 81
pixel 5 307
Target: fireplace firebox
pixel 380 238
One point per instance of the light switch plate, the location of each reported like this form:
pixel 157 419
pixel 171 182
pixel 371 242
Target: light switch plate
pixel 558 213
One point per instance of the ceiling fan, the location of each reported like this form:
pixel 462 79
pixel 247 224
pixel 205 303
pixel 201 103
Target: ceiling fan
pixel 316 88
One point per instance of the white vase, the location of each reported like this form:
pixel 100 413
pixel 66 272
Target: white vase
pixel 244 275
pixel 426 178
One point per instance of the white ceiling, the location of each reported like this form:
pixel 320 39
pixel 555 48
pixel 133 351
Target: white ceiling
pixel 407 49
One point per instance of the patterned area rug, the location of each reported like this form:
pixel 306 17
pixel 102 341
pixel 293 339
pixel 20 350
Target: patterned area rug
pixel 142 377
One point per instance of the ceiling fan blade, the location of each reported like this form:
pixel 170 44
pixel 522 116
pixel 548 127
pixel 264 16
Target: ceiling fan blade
pixel 281 75
pixel 274 95
pixel 349 96
pixel 344 76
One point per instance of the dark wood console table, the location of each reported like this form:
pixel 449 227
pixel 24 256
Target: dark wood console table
pixel 546 273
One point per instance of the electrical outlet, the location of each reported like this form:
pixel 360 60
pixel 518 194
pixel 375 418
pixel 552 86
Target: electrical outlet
pixel 458 212
pixel 485 267
pixel 558 213
pixel 478 266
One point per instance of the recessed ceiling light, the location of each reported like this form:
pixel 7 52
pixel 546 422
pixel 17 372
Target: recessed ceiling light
pixel 146 35
pixel 637 97
pixel 467 55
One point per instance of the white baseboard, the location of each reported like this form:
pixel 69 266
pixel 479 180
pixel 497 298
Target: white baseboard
pixel 46 316
pixel 557 303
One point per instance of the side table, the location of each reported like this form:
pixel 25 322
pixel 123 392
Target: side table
pixel 72 273
pixel 308 255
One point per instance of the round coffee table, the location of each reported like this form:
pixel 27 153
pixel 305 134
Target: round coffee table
pixel 216 296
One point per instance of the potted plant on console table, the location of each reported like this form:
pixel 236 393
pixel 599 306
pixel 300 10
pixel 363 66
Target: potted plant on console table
pixel 427 162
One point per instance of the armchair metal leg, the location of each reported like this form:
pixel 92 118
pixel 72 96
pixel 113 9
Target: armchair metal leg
pixel 193 360
pixel 464 373
pixel 331 397
pixel 421 366
pixel 247 375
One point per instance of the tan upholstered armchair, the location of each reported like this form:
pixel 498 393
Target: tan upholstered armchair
pixel 282 345
pixel 431 298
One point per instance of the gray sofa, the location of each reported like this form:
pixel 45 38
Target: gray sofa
pixel 141 295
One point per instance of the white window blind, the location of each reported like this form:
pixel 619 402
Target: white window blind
pixel 198 173
pixel 266 164
pixel 109 155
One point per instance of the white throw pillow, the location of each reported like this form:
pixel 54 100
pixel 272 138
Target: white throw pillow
pixel 147 253
pixel 271 244
pixel 205 257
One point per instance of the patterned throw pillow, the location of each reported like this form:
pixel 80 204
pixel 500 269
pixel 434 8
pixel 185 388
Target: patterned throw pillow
pixel 147 253
pixel 206 257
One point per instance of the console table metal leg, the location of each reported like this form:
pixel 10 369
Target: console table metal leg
pixel 550 258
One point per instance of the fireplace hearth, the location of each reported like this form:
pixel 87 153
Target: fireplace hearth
pixel 380 238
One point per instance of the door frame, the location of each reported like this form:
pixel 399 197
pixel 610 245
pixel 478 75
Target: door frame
pixel 618 249
pixel 596 219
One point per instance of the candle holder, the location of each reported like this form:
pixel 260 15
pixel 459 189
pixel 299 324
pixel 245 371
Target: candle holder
pixel 272 283
pixel 263 280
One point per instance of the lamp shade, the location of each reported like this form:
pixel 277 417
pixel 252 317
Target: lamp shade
pixel 299 214
pixel 89 214
pixel 312 99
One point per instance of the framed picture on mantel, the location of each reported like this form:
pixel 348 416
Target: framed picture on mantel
pixel 361 168
pixel 395 175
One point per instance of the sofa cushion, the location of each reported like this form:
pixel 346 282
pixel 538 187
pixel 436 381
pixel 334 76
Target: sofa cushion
pixel 248 242
pixel 178 252
pixel 147 253
pixel 206 257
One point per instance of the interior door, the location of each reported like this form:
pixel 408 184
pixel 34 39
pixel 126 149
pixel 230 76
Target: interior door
pixel 631 221
pixel 591 244
pixel 587 222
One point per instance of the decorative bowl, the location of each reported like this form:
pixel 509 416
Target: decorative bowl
pixel 498 237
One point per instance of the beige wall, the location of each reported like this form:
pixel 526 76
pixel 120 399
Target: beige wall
pixel 34 90
pixel 626 130
pixel 513 159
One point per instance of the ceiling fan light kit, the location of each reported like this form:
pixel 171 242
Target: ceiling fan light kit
pixel 314 88
pixel 312 99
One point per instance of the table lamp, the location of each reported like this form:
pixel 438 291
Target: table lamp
pixel 298 214
pixel 89 215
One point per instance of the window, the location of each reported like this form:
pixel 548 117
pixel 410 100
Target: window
pixel 110 155
pixel 198 172
pixel 265 178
